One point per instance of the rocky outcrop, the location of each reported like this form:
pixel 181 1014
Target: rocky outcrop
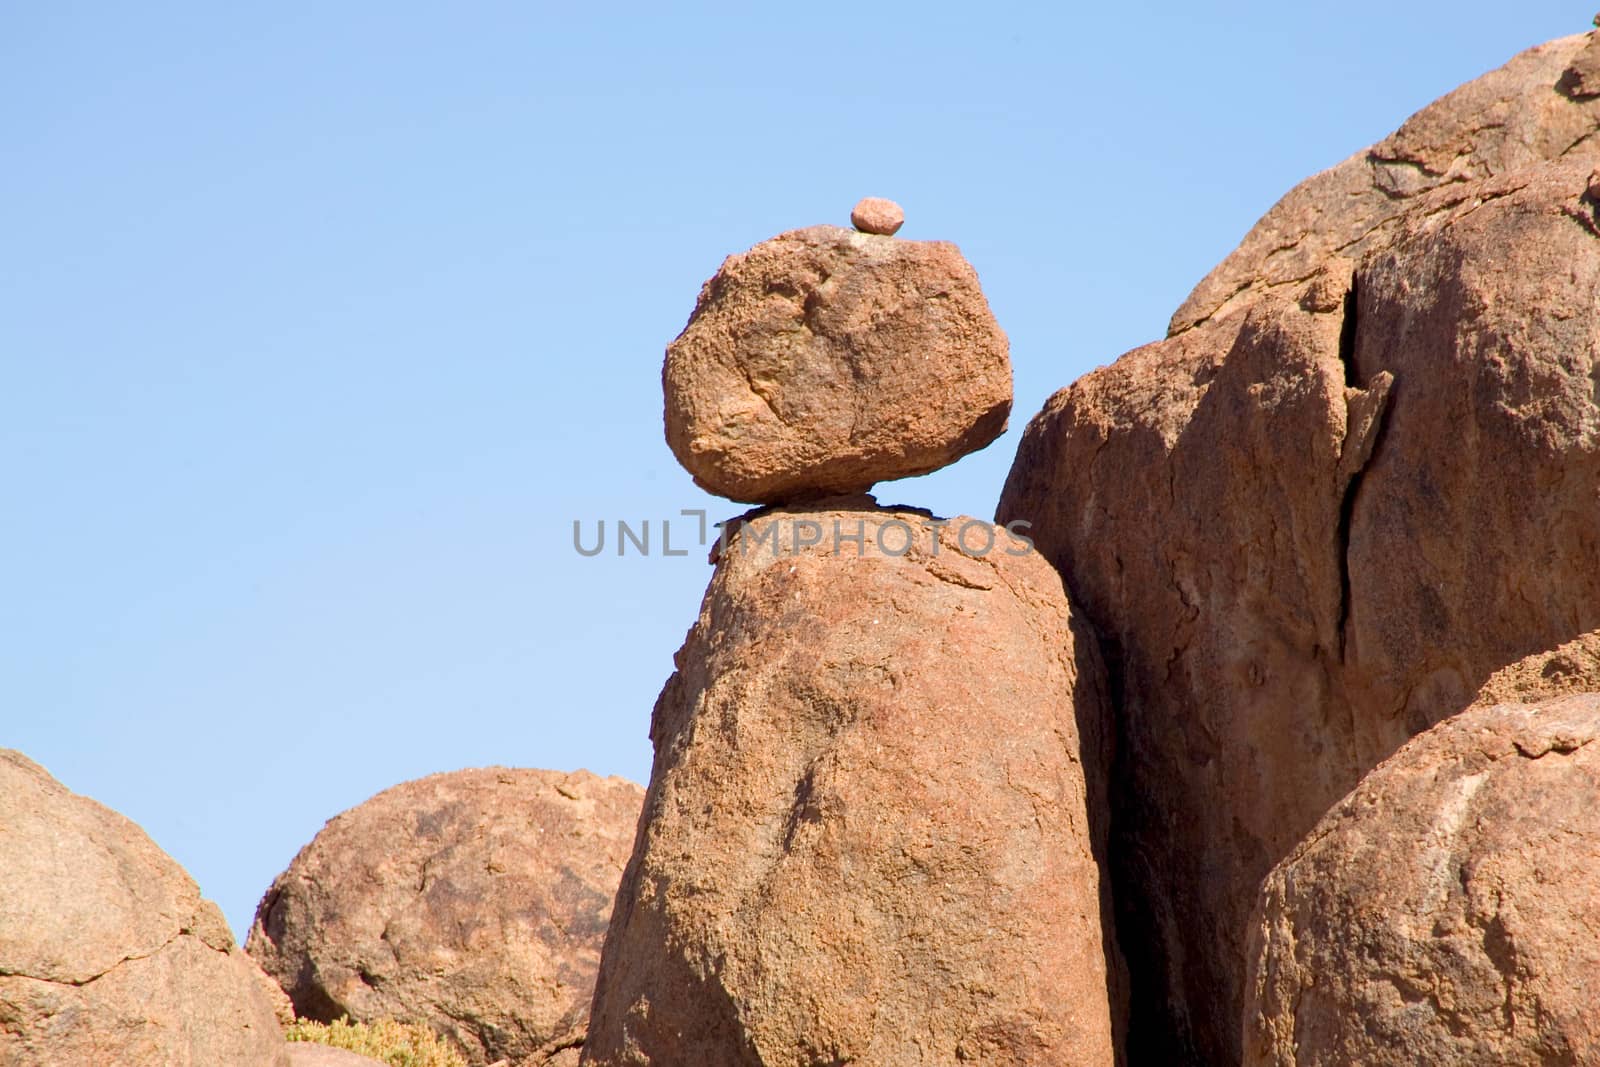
pixel 1572 668
pixel 868 836
pixel 475 902
pixel 108 954
pixel 1531 111
pixel 1357 480
pixel 1448 910
pixel 825 360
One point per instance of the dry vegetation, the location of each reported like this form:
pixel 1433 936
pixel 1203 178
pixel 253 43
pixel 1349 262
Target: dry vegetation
pixel 397 1044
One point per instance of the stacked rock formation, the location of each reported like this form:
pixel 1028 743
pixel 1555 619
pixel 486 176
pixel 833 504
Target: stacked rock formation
pixel 108 953
pixel 1356 479
pixel 1313 740
pixel 474 902
pixel 869 836
pixel 826 359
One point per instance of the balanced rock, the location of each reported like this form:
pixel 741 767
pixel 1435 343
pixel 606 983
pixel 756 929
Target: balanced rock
pixel 108 954
pixel 475 902
pixel 1448 910
pixel 869 837
pixel 825 360
pixel 1314 520
pixel 873 214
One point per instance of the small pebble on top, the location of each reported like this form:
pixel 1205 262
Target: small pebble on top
pixel 874 214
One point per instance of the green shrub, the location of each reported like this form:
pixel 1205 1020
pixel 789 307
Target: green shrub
pixel 397 1044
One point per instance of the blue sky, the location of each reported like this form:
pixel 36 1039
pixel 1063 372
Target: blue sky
pixel 320 324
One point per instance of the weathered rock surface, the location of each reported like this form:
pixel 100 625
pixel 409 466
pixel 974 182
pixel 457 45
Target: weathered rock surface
pixel 1448 910
pixel 1314 523
pixel 108 954
pixel 1572 668
pixel 282 1006
pixel 825 360
pixel 311 1054
pixel 867 837
pixel 1518 116
pixel 874 214
pixel 475 902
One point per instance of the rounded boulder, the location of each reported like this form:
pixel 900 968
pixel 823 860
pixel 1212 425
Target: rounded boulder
pixel 108 953
pixel 474 902
pixel 826 360
pixel 1448 910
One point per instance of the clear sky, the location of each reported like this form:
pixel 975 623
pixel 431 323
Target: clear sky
pixel 320 324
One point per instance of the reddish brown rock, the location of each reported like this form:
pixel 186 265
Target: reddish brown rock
pixel 311 1054
pixel 1314 523
pixel 1448 910
pixel 108 954
pixel 867 837
pixel 474 902
pixel 1509 119
pixel 282 1006
pixel 1572 668
pixel 825 360
pixel 873 214
pixel 1581 80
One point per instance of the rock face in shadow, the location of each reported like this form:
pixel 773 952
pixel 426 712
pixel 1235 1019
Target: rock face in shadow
pixel 868 835
pixel 1357 479
pixel 825 360
pixel 1448 910
pixel 108 954
pixel 474 901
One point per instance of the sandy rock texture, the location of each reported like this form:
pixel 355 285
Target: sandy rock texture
pixel 108 954
pixel 1448 910
pixel 825 360
pixel 1572 668
pixel 311 1054
pixel 474 901
pixel 1357 480
pixel 868 836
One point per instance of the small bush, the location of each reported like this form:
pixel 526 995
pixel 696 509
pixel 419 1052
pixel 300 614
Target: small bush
pixel 397 1044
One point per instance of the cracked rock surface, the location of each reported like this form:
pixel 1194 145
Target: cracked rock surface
pixel 474 901
pixel 1312 524
pixel 825 360
pixel 1446 911
pixel 869 836
pixel 108 953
